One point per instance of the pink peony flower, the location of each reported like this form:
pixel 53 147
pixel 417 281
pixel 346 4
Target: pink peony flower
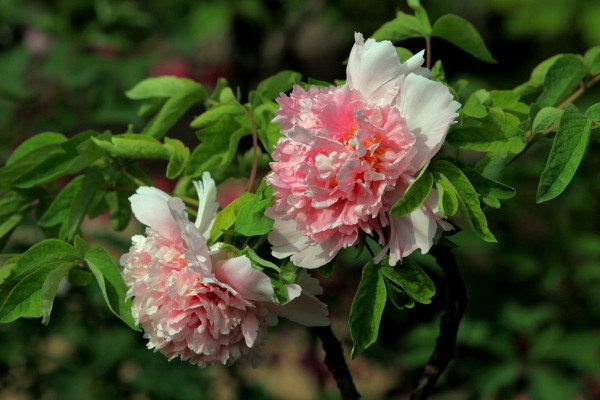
pixel 350 152
pixel 206 306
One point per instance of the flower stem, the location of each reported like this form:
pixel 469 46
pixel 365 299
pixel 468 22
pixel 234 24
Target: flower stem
pixel 456 303
pixel 334 359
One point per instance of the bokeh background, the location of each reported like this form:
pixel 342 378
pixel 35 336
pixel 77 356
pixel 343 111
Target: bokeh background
pixel 532 327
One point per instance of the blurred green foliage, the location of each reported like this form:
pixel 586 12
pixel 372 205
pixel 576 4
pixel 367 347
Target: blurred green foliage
pixel 533 320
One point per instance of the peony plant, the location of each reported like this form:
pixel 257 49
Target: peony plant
pixel 364 163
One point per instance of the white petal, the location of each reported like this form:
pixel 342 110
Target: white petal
pixel 373 69
pixel 409 233
pixel 207 209
pixel 429 109
pixel 151 207
pixel 238 273
pixel 287 241
pixel 305 310
pixel 413 65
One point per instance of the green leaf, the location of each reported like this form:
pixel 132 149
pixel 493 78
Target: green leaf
pixel 84 200
pixel 463 34
pixel 215 113
pixel 415 195
pixel 547 118
pixel 132 145
pixel 174 109
pixel 29 290
pixel 412 279
pixel 23 166
pixel 469 204
pixel 111 284
pixel 60 208
pixel 491 192
pixel 271 87
pixel 227 216
pixel 402 27
pixel 251 219
pixel 591 59
pixel 567 151
pixel 508 100
pixel 593 112
pixel 537 77
pixel 30 295
pixel 35 142
pixel 561 80
pixel 178 159
pixel 73 156
pixel 421 15
pixel 219 144
pixel 447 196
pixel 367 309
pixel 14 205
pixel 475 106
pixel 498 132
pixel 50 287
pixel 268 132
pixel 162 86
pixel 403 53
pixel 398 297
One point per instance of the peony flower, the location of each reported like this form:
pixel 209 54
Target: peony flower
pixel 350 152
pixel 206 306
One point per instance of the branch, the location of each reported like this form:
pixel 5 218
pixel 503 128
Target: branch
pixel 446 341
pixel 334 359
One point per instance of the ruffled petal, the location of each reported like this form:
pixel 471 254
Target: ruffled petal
pixel 428 109
pixel 287 241
pixel 373 69
pixel 250 283
pixel 151 207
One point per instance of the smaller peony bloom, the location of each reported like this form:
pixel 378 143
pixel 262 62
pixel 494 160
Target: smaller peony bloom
pixel 206 306
pixel 350 152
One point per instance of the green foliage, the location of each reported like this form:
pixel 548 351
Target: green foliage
pixel 568 149
pixel 29 290
pixel 367 309
pixel 498 132
pixel 181 96
pixel 111 284
pixel 468 200
pixel 404 26
pixel 404 284
pixel 251 219
pixel 561 79
pixel 463 34
pixel 415 195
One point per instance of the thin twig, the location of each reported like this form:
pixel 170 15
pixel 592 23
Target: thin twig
pixel 334 359
pixel 446 341
pixel 583 86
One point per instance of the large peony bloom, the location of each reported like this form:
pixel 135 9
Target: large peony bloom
pixel 204 305
pixel 350 152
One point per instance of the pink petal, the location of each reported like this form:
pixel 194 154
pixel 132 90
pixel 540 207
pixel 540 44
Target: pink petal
pixel 250 283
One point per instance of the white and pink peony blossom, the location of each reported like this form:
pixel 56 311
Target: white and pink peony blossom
pixel 206 306
pixel 350 152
